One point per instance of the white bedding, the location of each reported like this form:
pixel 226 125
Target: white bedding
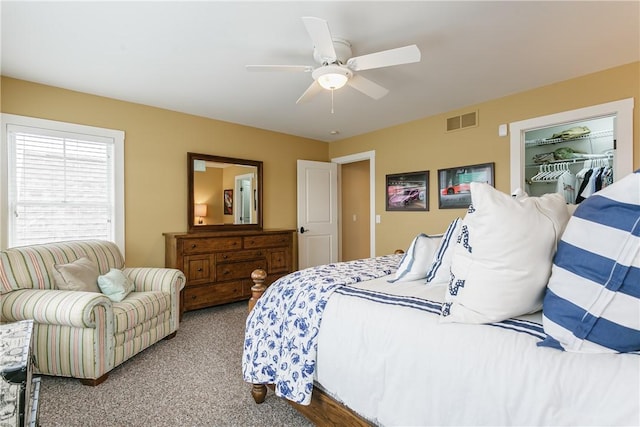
pixel 396 365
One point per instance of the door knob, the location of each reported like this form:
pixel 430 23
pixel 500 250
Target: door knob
pixel 302 230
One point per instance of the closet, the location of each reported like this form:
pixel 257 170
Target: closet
pixel 560 152
pixel 573 159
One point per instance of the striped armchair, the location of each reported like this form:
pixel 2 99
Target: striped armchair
pixel 84 334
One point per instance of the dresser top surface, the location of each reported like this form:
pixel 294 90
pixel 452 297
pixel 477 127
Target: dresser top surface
pixel 206 234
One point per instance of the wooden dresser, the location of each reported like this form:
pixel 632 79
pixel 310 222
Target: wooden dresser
pixel 218 265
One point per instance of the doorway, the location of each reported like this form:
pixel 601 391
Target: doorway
pixel 327 193
pixel 244 207
pixel 366 221
pixel 354 208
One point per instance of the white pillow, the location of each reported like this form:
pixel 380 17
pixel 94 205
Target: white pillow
pixel 115 285
pixel 417 260
pixel 592 302
pixel 439 272
pixel 503 255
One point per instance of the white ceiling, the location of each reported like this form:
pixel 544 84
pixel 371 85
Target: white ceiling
pixel 190 56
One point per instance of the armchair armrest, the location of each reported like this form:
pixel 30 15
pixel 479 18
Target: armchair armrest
pixel 170 280
pixel 156 279
pixel 53 307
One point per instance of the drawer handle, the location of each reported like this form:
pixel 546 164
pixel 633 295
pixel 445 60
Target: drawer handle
pixel 193 297
pixel 200 269
pixel 225 256
pixel 193 246
pixel 226 272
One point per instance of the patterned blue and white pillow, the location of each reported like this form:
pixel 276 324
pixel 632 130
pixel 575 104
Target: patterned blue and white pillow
pixel 441 264
pixel 417 260
pixel 592 302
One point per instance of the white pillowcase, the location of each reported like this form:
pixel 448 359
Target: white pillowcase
pixel 502 258
pixel 115 285
pixel 439 272
pixel 417 260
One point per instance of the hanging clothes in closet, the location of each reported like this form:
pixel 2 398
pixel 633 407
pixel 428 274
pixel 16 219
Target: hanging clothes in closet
pixel 563 177
pixel 594 176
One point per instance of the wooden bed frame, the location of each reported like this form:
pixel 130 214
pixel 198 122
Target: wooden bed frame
pixel 323 409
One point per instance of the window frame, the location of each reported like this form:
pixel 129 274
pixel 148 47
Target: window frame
pixel 117 136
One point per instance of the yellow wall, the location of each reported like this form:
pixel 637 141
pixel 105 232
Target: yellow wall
pixel 425 145
pixel 207 189
pixel 156 143
pixel 156 146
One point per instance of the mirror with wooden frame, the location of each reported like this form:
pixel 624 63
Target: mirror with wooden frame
pixel 224 193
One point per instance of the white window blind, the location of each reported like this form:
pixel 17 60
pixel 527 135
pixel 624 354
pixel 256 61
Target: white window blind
pixel 61 186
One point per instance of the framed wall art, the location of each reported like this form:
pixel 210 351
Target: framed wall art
pixel 408 191
pixel 228 202
pixel 454 184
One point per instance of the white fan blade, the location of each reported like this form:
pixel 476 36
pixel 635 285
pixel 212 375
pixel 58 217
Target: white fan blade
pixel 311 91
pixel 385 58
pixel 290 68
pixel 318 30
pixel 366 86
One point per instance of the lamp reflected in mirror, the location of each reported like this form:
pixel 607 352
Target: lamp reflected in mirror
pixel 200 210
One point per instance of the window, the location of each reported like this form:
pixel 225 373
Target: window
pixel 60 181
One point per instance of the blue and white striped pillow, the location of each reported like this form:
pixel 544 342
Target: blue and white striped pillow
pixel 439 272
pixel 416 261
pixel 592 302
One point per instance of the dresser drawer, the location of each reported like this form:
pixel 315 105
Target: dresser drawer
pixel 198 268
pixel 215 293
pixel 267 241
pixel 279 260
pixel 240 255
pixel 238 270
pixel 210 244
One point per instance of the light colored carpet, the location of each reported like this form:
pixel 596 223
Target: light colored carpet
pixel 194 379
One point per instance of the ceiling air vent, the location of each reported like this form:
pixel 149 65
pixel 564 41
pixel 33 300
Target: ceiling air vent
pixel 463 121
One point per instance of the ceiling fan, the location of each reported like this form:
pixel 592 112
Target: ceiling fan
pixel 337 68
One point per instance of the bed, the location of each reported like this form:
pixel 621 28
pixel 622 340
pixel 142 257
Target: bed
pixel 364 342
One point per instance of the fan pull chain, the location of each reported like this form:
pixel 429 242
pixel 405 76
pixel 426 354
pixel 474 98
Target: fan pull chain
pixel 332 90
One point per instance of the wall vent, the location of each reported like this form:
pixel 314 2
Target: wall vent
pixel 463 121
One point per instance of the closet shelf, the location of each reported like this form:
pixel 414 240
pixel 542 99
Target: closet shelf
pixel 599 134
pixel 608 155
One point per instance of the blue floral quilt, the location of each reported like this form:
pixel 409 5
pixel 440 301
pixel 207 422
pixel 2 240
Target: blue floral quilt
pixel 281 334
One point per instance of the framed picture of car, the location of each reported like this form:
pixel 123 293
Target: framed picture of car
pixel 408 191
pixel 454 184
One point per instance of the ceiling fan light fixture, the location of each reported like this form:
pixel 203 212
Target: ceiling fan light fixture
pixel 332 81
pixel 331 77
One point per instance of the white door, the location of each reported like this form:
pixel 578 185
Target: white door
pixel 317 213
pixel 243 212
